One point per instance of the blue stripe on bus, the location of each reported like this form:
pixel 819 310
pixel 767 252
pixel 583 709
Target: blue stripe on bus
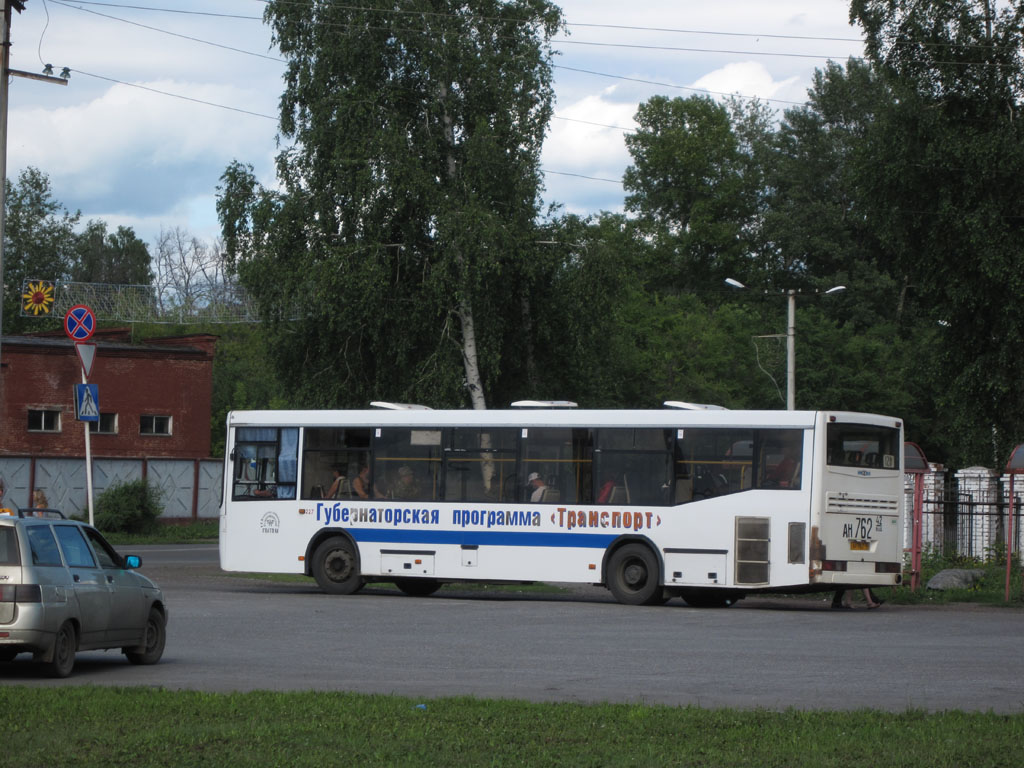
pixel 476 538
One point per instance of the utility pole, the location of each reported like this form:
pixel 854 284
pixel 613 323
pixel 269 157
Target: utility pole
pixel 5 73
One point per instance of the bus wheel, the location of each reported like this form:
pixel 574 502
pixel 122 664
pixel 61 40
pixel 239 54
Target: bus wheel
pixel 710 598
pixel 633 576
pixel 334 567
pixel 418 587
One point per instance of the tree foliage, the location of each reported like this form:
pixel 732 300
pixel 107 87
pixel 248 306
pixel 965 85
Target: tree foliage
pixel 39 241
pixel 117 258
pixel 947 210
pixel 409 195
pixel 42 242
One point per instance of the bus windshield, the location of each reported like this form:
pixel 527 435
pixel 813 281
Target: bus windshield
pixel 863 445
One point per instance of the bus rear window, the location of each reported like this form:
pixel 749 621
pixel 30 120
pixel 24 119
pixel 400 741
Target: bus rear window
pixel 863 445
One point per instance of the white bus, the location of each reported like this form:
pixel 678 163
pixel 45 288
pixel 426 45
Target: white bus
pixel 709 505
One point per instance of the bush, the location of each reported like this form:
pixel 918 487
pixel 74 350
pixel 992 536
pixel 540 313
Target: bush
pixel 131 507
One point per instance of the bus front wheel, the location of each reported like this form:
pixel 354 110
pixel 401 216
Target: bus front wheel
pixel 633 576
pixel 335 567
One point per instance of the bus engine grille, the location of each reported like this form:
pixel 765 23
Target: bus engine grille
pixel 861 504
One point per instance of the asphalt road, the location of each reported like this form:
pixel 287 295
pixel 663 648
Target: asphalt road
pixel 230 633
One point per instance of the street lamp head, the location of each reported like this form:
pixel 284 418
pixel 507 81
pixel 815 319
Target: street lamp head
pixel 734 283
pixel 837 289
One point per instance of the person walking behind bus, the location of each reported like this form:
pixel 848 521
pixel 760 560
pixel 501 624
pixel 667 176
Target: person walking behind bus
pixel 842 600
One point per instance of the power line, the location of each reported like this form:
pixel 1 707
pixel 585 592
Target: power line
pixel 165 31
pixel 273 58
pixel 174 95
pixel 567 24
pixel 581 176
pixel 673 85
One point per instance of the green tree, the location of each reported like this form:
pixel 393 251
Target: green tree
pixel 39 243
pixel 947 207
pixel 408 195
pixel 117 258
pixel 696 184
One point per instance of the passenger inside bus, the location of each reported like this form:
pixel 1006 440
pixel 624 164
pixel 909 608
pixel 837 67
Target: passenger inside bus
pixel 783 461
pixel 361 484
pixel 536 485
pixel 337 485
pixel 406 486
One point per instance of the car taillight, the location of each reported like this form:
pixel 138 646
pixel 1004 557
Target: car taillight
pixel 20 593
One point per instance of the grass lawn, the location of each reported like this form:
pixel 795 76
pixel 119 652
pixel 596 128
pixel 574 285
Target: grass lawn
pixel 137 727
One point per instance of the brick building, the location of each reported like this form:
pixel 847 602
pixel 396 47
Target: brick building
pixel 154 397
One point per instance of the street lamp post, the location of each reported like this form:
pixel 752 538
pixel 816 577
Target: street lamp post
pixel 790 338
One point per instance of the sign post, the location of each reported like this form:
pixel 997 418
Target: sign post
pixel 79 325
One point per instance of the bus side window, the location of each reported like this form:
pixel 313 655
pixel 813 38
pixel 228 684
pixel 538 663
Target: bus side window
pixel 561 458
pixel 780 458
pixel 266 463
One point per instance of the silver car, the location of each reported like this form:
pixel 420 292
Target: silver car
pixel 64 589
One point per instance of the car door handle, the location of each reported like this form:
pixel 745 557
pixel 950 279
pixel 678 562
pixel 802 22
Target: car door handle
pixel 76 577
pixel 110 579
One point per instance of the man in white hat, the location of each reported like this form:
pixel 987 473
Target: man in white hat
pixel 538 485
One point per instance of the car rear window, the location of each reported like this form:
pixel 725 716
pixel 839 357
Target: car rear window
pixel 43 545
pixel 8 546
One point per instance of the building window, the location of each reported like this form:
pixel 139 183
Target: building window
pixel 107 425
pixel 154 425
pixel 43 420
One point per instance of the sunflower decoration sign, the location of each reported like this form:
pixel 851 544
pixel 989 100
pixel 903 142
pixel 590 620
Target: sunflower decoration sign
pixel 37 297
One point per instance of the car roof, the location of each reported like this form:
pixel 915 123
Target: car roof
pixel 30 516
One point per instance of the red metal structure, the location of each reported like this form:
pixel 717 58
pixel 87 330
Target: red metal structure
pixel 1014 467
pixel 915 463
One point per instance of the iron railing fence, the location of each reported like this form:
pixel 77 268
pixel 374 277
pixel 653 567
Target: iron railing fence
pixel 969 525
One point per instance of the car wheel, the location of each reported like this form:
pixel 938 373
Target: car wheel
pixel 418 587
pixel 64 645
pixel 335 567
pixel 633 576
pixel 156 638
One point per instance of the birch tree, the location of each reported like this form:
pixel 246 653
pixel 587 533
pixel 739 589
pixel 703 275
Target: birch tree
pixel 386 260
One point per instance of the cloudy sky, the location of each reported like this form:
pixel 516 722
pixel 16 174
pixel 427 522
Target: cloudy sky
pixel 118 147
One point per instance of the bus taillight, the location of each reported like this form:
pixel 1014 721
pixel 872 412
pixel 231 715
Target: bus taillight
pixel 833 565
pixel 888 567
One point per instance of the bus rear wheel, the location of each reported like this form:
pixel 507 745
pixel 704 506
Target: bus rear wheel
pixel 336 568
pixel 418 587
pixel 633 576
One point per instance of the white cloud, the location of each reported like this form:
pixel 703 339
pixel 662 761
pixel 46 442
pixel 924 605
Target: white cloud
pixel 746 79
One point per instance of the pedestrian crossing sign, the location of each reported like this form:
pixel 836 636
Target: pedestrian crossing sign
pixel 87 402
